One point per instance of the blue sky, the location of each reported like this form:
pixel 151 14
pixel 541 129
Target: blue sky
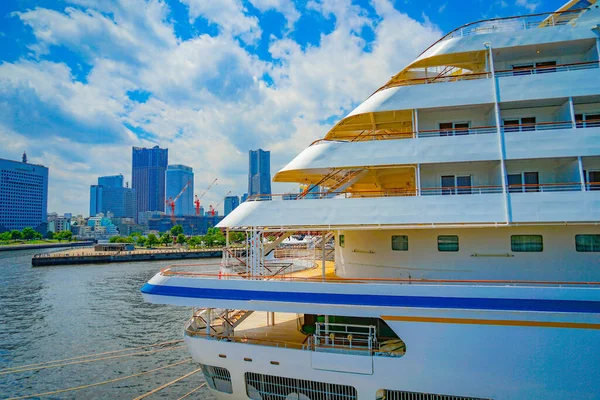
pixel 81 81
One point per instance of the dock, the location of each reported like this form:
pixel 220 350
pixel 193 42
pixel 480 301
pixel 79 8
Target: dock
pixel 89 256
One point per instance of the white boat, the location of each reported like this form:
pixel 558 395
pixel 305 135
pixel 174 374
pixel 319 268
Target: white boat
pixel 464 201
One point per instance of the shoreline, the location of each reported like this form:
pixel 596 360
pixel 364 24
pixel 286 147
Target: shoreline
pixel 37 246
pixel 47 260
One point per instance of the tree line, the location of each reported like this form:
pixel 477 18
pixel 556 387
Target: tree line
pixel 29 233
pixel 213 237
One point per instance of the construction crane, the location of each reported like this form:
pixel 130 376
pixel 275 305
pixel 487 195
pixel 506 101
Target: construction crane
pixel 171 201
pixel 212 210
pixel 197 198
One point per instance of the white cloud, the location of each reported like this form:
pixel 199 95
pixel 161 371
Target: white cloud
pixel 229 15
pixel 531 6
pixel 209 103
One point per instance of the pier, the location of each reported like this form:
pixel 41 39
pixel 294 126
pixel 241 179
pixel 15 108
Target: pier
pixel 89 256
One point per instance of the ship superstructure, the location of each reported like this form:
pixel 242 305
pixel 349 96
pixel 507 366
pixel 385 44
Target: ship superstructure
pixel 453 245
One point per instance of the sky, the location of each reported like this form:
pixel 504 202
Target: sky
pixel 82 81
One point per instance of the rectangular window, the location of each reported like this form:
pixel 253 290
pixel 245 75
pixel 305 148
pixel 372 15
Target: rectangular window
pixel 400 243
pixel 587 243
pixel 526 243
pixel 592 179
pixel 532 181
pixel 515 183
pixel 590 120
pixel 545 67
pixel 342 241
pixel 454 128
pixel 447 243
pixel 452 184
pixel 522 69
pixel 522 124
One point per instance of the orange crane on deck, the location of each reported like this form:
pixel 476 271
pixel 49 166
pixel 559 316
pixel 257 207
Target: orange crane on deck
pixel 171 201
pixel 197 198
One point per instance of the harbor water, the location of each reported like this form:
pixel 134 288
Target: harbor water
pixel 54 313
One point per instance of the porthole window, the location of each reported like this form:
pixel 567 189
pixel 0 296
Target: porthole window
pixel 400 243
pixel 447 243
pixel 526 243
pixel 587 243
pixel 342 241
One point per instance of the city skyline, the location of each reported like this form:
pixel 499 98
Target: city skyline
pixel 84 81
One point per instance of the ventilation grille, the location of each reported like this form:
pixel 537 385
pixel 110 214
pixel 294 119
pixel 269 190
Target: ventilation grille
pixel 259 386
pixel 218 378
pixel 401 395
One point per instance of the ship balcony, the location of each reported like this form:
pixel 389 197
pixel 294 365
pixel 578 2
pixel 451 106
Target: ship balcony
pixel 290 331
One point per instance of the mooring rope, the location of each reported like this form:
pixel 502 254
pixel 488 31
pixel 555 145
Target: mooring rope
pixel 192 391
pixel 91 355
pixel 100 383
pixel 166 385
pixel 16 371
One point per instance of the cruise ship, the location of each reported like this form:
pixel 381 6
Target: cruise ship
pixel 451 230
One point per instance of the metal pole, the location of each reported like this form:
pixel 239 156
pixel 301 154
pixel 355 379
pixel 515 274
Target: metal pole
pixel 418 179
pixel 323 247
pixel 581 174
pixel 500 132
pixel 572 111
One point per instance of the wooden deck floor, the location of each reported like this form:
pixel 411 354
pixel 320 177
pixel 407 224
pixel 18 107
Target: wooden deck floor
pixel 285 330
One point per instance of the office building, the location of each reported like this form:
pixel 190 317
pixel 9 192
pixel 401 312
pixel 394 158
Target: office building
pixel 109 195
pixel 259 173
pixel 230 204
pixel 58 223
pixel 112 181
pixel 148 169
pixel 23 195
pixel 178 176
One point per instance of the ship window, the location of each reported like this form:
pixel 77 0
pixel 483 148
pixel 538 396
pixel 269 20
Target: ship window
pixel 592 180
pixel 526 243
pixel 587 243
pixel 400 243
pixel 452 184
pixel 522 124
pixel 342 241
pixel 454 128
pixel 530 179
pixel 522 69
pixel 218 378
pixel 260 386
pixel 590 120
pixel 447 243
pixel 545 67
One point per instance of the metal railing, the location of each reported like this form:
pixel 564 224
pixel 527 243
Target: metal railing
pixel 476 130
pixel 546 69
pixel 545 187
pixel 458 190
pixel 513 24
pixel 344 337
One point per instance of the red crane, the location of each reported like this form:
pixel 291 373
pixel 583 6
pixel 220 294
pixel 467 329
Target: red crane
pixel 197 198
pixel 171 201
pixel 212 210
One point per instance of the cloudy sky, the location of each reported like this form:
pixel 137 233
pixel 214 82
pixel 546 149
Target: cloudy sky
pixel 81 81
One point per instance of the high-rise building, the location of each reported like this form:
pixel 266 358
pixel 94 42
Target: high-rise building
pixel 112 181
pixel 109 195
pixel 259 173
pixel 23 195
pixel 231 202
pixel 148 177
pixel 177 177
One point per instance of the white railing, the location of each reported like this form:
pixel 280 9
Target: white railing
pixel 477 130
pixel 546 69
pixel 344 337
pixel 513 24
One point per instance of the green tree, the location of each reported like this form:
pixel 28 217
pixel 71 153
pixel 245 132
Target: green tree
pixel 152 240
pixel 113 239
pixel 194 242
pixel 177 230
pixel 16 235
pixel 166 239
pixel 214 237
pixel 5 236
pixel 28 233
pixel 50 235
pixel 237 237
pixel 123 239
pixel 181 239
pixel 37 235
pixel 141 241
pixel 64 235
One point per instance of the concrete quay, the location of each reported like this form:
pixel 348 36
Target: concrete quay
pixel 89 256
pixel 38 246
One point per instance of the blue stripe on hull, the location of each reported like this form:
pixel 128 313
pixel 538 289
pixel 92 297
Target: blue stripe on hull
pixel 572 306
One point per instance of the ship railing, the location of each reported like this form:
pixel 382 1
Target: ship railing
pixel 545 187
pixel 587 123
pixel 538 126
pixel 459 190
pixel 546 69
pixel 476 130
pixel 499 74
pixel 344 337
pixel 514 24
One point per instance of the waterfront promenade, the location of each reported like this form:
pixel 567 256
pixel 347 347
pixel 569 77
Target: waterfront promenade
pixel 89 256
